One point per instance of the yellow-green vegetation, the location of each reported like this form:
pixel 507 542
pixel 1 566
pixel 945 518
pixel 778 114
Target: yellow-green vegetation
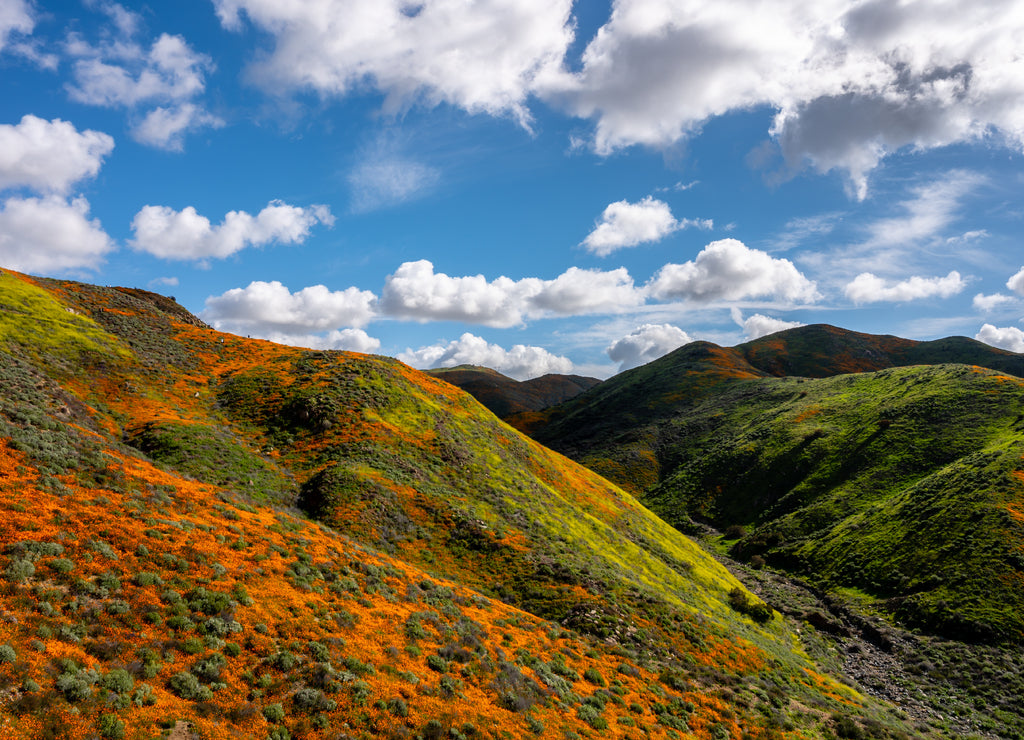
pixel 462 580
pixel 40 324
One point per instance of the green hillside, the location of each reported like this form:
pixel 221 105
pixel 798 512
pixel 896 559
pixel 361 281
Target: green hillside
pixel 208 536
pixel 904 483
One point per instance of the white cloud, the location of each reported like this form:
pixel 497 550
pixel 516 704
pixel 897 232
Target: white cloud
pixel 49 156
pixel 578 291
pixel 48 235
pixel 1016 283
pixel 186 235
pixel 729 270
pixel 931 208
pixel 851 81
pixel 415 291
pixel 165 282
pixel 165 128
pixel 161 83
pixel 15 18
pixel 625 224
pixel 485 56
pixel 1008 337
pixel 272 311
pixel 869 288
pixel 989 303
pixel 759 325
pixel 645 344
pixel 350 340
pixel 968 237
pixel 521 362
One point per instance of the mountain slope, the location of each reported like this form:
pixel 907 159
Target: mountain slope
pixel 155 574
pixel 905 483
pixel 613 428
pixel 505 396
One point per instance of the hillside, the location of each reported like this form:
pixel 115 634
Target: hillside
pixel 614 427
pixel 162 572
pixel 897 493
pixel 505 396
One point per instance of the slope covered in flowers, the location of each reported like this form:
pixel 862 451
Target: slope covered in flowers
pixel 215 537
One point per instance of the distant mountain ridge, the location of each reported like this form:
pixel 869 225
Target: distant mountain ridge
pixel 505 396
pixel 610 428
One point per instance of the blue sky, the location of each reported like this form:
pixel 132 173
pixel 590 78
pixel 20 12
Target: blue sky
pixel 532 185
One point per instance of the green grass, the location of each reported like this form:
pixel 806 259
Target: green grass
pixel 893 482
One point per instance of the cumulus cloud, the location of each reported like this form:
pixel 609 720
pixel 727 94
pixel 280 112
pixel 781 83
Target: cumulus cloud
pixel 15 18
pixel 49 156
pixel 51 234
pixel 730 270
pixel 625 224
pixel 869 288
pixel 1016 283
pixel 159 84
pixel 186 235
pixel 989 303
pixel 851 82
pixel 521 362
pixel 759 325
pixel 577 291
pixel 485 56
pixel 415 291
pixel 271 310
pixel 645 344
pixel 350 340
pixel 1007 337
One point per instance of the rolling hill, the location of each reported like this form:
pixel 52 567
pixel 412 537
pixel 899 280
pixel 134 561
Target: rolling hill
pixel 505 396
pixel 890 477
pixel 210 536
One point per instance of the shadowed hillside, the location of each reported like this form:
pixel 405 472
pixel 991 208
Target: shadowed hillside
pixel 505 396
pixel 458 580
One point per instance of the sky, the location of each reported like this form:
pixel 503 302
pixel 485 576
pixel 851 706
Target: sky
pixel 530 185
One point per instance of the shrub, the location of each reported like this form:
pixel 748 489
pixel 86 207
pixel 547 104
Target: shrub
pixel 110 726
pixel 118 681
pixel 274 713
pixel 187 686
pixel 209 668
pixel 756 610
pixel 118 606
pixel 61 565
pixel 594 676
pixel 7 654
pixel 148 579
pixel 360 691
pixel 590 715
pixel 282 660
pixel 437 663
pixel 77 686
pixel 319 652
pixel 19 571
pixel 143 696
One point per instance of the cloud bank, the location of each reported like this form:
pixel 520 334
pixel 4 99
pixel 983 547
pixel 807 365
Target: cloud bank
pixel 521 362
pixel 869 288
